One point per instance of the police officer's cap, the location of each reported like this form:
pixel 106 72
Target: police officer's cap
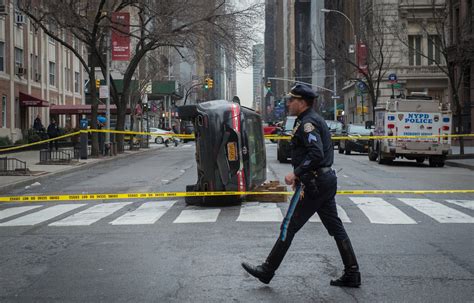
pixel 302 91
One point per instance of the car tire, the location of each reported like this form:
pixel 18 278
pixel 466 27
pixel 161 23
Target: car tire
pixel 192 200
pixel 159 140
pixel 372 154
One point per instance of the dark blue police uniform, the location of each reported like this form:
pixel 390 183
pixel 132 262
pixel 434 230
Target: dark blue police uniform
pixel 312 157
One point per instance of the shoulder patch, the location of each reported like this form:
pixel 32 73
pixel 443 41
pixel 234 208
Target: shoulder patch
pixel 308 127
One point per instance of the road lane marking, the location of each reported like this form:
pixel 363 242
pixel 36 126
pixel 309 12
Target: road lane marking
pixel 91 215
pixel 147 213
pixel 198 216
pixel 260 212
pixel 340 212
pixel 42 215
pixel 10 212
pixel 463 203
pixel 438 211
pixel 381 212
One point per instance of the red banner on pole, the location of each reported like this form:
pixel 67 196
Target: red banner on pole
pixel 362 58
pixel 120 36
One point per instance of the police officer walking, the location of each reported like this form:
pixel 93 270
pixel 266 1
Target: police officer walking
pixel 312 156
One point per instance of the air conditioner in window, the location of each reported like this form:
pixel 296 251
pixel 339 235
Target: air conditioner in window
pixel 20 70
pixel 19 18
pixel 3 10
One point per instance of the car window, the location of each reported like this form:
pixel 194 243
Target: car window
pixel 358 129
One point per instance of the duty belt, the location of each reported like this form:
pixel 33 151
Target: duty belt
pixel 321 171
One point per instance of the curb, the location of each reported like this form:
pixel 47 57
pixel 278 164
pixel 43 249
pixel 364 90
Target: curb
pixel 15 185
pixel 461 165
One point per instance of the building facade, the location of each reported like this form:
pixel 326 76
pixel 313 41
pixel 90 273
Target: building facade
pixel 258 80
pixel 461 56
pixel 35 73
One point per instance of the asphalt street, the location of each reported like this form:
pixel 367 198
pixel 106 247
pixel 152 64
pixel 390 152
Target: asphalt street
pixel 411 248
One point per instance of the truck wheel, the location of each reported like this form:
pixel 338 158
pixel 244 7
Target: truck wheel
pixel 432 162
pixel 420 160
pixel 441 163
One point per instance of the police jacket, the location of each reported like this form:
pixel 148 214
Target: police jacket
pixel 311 145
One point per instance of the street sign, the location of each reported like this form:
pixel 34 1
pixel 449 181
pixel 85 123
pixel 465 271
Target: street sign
pixel 103 91
pixel 392 77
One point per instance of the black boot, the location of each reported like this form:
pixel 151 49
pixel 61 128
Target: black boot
pixel 351 276
pixel 266 271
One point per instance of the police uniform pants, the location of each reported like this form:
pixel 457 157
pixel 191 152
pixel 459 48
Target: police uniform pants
pixel 300 210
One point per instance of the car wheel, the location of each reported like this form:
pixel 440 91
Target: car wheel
pixel 372 153
pixel 192 200
pixel 159 140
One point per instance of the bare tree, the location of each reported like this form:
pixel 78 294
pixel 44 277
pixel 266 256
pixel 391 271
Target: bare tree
pixel 450 58
pixel 160 23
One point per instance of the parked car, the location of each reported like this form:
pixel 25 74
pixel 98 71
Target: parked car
pixel 283 147
pixel 353 132
pixel 230 149
pixel 335 127
pixel 157 134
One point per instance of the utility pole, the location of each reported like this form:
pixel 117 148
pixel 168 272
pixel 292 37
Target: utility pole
pixel 334 96
pixel 107 100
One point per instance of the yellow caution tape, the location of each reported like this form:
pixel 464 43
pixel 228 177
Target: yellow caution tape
pixel 191 136
pixel 119 196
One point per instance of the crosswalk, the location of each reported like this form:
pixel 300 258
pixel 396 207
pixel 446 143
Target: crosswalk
pixel 354 210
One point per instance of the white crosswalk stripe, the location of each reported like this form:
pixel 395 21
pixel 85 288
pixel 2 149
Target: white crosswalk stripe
pixel 340 212
pixel 438 211
pixel 42 215
pixel 376 209
pixel 198 216
pixel 463 203
pixel 260 212
pixel 91 215
pixel 147 213
pixel 381 212
pixel 10 212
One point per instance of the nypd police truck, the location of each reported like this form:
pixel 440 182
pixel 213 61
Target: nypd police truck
pixel 418 116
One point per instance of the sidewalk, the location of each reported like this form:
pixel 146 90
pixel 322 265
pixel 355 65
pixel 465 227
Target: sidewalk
pixel 38 172
pixel 464 161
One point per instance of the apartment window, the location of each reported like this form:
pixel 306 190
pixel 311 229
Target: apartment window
pixel 66 78
pixel 18 57
pixel 76 81
pixel 414 50
pixel 2 56
pixel 4 111
pixel 52 73
pixel 434 51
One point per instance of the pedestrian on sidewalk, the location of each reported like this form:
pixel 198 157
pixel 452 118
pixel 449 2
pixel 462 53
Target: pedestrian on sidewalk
pixel 37 125
pixel 53 132
pixel 312 158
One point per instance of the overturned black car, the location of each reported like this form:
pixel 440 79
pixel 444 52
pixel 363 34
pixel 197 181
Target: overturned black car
pixel 230 149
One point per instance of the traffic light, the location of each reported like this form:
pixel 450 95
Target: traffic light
pixel 268 85
pixel 97 83
pixel 210 83
pixel 206 83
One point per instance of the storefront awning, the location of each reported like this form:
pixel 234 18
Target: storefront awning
pixel 79 109
pixel 30 101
